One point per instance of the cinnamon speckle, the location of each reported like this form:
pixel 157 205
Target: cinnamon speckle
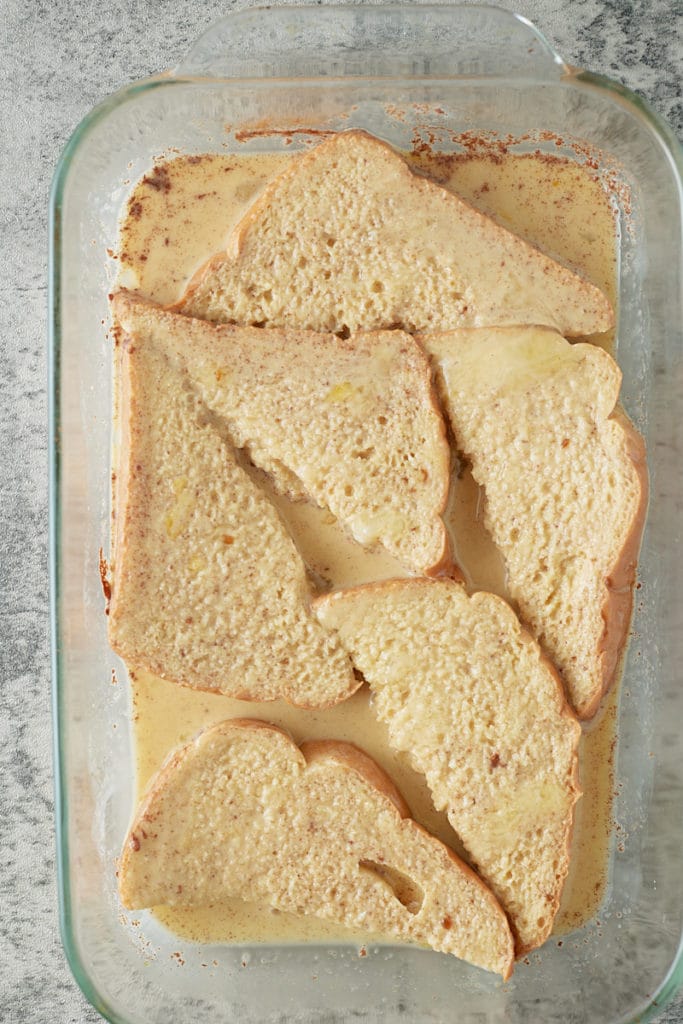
pixel 159 179
pixel 104 577
pixel 309 134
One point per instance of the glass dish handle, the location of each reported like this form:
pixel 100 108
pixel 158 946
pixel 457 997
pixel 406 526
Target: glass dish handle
pixel 385 40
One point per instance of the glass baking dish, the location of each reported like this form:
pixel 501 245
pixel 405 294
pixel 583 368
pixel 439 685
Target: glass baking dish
pixel 471 68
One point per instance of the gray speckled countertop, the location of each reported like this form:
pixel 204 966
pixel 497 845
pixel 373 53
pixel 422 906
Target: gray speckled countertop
pixel 59 58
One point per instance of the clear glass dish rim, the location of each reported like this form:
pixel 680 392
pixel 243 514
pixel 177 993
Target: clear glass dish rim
pixel 576 78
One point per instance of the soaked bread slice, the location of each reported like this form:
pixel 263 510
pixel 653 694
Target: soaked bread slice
pixel 241 811
pixel 467 695
pixel 208 588
pixel 565 483
pixel 354 420
pixel 349 238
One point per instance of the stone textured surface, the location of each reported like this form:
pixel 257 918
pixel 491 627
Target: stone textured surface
pixel 59 57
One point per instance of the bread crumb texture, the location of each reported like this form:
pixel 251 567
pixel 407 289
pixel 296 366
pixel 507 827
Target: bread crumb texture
pixel 467 695
pixel 565 486
pixel 354 422
pixel 349 238
pixel 242 811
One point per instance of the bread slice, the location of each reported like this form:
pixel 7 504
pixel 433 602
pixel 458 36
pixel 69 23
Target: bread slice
pixel 565 483
pixel 354 420
pixel 467 695
pixel 349 238
pixel 241 811
pixel 208 588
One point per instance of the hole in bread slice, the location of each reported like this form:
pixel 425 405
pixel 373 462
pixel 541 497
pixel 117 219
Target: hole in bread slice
pixel 402 886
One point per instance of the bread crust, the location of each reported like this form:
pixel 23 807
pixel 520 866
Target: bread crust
pixel 446 565
pixel 618 606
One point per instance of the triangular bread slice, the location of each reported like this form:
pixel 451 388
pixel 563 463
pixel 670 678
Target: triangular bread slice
pixel 241 811
pixel 355 420
pixel 208 588
pixel 565 484
pixel 349 238
pixel 468 697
